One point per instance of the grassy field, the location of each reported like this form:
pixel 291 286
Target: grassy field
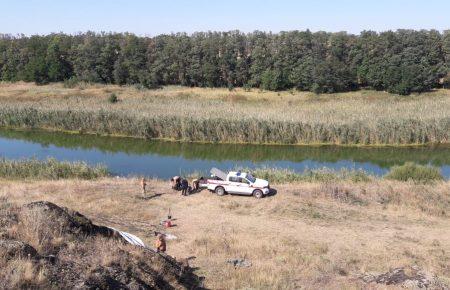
pixel 309 234
pixel 238 116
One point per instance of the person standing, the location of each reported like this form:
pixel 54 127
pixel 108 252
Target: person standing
pixel 144 186
pixel 160 244
pixel 184 187
pixel 195 184
pixel 175 182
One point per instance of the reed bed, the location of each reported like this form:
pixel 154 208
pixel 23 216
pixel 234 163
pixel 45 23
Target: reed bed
pixel 420 174
pixel 49 169
pixel 280 175
pixel 408 172
pixel 365 118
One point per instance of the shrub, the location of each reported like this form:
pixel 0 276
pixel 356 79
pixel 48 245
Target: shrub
pixel 139 87
pixel 446 81
pixel 113 98
pixel 71 83
pixel 415 172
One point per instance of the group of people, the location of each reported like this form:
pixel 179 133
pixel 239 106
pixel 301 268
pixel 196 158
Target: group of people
pixel 178 183
pixel 182 184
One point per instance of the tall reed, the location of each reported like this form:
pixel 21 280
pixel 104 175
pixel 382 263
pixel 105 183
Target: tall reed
pixel 229 130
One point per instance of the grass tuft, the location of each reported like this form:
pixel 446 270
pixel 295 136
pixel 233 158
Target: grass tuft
pixel 113 98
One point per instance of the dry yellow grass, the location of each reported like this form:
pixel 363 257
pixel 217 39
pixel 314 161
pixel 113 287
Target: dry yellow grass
pixel 342 108
pixel 315 235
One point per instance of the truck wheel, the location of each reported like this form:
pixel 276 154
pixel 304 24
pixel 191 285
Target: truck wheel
pixel 258 193
pixel 220 190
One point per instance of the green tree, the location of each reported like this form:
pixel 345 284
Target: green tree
pixel 57 58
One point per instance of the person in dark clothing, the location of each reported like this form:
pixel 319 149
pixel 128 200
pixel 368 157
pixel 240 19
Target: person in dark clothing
pixel 184 186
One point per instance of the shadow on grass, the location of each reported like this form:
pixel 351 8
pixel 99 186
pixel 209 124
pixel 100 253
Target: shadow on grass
pixel 149 197
pixel 272 192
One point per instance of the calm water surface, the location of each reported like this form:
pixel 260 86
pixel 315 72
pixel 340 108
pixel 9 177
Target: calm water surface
pixel 128 156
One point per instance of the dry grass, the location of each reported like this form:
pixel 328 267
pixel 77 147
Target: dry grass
pixel 200 114
pixel 288 105
pixel 21 273
pixel 317 235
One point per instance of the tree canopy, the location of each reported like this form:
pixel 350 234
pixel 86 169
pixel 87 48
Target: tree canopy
pixel 400 62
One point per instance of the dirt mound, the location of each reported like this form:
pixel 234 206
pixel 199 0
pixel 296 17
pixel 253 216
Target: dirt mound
pixel 68 220
pixel 45 246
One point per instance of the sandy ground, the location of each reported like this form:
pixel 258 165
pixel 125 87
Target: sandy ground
pixel 306 235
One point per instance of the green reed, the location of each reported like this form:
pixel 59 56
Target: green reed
pixel 49 169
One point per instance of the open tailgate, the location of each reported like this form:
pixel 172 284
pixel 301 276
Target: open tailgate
pixel 219 173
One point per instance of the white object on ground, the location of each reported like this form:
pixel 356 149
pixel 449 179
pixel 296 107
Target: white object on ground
pixel 170 237
pixel 240 263
pixel 132 239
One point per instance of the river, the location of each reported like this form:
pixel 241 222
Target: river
pixel 163 159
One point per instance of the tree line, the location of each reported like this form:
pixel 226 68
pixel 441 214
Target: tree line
pixel 401 61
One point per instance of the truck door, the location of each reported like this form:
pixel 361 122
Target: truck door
pixel 245 186
pixel 234 186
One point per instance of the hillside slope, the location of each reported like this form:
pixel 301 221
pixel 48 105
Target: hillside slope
pixel 45 246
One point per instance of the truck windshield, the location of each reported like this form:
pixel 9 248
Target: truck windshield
pixel 251 178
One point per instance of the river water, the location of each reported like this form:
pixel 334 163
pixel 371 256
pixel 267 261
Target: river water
pixel 129 156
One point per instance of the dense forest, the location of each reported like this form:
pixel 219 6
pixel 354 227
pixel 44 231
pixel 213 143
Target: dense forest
pixel 400 62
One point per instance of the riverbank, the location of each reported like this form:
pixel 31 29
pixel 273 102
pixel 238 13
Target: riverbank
pixel 238 116
pixel 52 169
pixel 310 234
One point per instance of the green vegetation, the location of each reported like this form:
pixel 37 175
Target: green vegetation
pixel 400 62
pixel 279 175
pixel 417 173
pixel 113 98
pixel 407 172
pixel 49 169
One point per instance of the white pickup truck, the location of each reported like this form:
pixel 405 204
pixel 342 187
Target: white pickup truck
pixel 236 182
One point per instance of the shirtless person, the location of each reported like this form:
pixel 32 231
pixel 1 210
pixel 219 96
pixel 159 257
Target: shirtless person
pixel 144 186
pixel 160 243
